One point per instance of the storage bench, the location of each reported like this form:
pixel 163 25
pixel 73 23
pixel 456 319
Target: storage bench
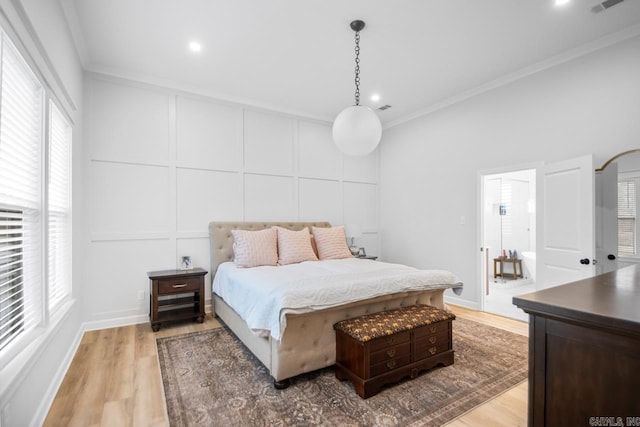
pixel 382 348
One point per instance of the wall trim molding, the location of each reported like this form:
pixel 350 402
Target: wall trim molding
pixel 462 302
pixel 116 322
pixel 180 89
pixel 575 53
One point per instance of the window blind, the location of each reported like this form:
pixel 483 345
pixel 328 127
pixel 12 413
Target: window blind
pixel 627 217
pixel 21 106
pixel 58 209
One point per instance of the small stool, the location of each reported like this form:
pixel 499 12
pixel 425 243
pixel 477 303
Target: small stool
pixel 382 348
pixel 517 263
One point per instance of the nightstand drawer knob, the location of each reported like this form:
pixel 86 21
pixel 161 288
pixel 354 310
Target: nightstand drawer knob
pixel 178 286
pixel 432 339
pixel 391 364
pixel 391 352
pixel 432 350
pixel 432 328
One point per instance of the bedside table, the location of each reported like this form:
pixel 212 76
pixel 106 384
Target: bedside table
pixel 367 257
pixel 176 295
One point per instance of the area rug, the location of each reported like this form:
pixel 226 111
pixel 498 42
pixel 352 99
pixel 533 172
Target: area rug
pixel 211 379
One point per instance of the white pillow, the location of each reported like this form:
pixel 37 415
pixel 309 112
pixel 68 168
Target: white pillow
pixel 255 248
pixel 331 243
pixel 294 246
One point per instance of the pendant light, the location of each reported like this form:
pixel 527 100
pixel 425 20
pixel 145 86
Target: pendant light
pixel 357 130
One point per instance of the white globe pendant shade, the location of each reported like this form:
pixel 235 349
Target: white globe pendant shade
pixel 357 130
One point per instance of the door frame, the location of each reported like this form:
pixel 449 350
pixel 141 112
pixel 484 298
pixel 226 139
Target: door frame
pixel 481 263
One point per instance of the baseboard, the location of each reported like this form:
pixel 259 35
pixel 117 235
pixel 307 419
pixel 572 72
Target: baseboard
pixel 56 381
pixel 50 395
pixel 114 322
pixel 461 302
pixel 126 320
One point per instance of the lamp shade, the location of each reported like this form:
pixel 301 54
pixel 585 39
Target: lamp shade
pixel 357 130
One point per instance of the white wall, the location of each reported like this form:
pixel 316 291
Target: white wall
pixel 161 164
pixel 429 166
pixel 40 32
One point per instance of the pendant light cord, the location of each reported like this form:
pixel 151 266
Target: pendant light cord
pixel 357 79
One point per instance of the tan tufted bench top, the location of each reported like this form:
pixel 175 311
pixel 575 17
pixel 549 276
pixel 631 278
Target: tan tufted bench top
pixel 385 323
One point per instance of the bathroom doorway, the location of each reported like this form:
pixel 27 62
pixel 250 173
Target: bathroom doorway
pixel 508 239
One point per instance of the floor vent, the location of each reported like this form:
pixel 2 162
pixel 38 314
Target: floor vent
pixel 605 5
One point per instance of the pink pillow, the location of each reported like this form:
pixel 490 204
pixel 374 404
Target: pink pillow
pixel 331 243
pixel 294 246
pixel 255 248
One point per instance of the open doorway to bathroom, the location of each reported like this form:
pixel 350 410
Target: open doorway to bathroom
pixel 508 240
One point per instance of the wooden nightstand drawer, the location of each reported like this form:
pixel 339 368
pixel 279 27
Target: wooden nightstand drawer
pixel 176 286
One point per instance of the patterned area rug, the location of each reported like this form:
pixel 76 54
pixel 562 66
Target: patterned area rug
pixel 211 379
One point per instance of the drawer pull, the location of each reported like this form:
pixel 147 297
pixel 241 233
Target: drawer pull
pixel 391 364
pixel 432 339
pixel 432 328
pixel 178 286
pixel 391 352
pixel 433 350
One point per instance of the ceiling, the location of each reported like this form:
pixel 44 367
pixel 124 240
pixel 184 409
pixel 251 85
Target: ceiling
pixel 297 56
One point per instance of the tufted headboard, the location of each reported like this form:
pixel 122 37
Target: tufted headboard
pixel 221 240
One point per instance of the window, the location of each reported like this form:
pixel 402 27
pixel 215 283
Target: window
pixel 627 217
pixel 35 223
pixel 59 212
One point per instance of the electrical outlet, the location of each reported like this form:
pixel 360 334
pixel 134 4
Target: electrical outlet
pixel 140 295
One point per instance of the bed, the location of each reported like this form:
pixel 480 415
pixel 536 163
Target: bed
pixel 306 341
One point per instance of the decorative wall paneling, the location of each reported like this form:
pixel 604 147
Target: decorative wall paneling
pixel 163 163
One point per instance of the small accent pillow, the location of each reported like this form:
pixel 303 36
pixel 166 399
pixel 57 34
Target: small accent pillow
pixel 294 246
pixel 255 248
pixel 331 243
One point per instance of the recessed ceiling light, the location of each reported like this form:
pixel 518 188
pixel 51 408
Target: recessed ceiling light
pixel 561 2
pixel 195 46
pixel 375 97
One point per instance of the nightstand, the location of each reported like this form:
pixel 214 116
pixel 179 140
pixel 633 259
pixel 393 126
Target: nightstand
pixel 367 257
pixel 176 295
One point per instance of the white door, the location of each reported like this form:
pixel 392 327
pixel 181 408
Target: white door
pixel 607 219
pixel 565 222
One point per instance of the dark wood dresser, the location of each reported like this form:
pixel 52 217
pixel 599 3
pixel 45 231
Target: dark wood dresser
pixel 584 351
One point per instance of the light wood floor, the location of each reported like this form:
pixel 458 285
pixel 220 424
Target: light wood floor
pixel 114 379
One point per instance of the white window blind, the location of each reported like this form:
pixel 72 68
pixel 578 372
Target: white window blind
pixel 21 106
pixel 58 211
pixel 627 217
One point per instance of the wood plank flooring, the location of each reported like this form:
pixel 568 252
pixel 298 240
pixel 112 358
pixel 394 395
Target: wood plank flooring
pixel 114 379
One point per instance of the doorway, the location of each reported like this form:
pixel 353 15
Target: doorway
pixel 508 239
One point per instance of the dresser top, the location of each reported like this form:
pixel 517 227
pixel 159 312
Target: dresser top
pixel 610 300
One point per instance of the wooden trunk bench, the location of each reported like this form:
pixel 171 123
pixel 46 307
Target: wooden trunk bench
pixel 382 348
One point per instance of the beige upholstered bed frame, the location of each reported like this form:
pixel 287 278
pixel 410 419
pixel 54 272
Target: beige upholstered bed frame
pixel 308 342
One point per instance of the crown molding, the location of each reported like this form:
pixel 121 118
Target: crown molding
pixel 73 24
pixel 106 73
pixel 569 55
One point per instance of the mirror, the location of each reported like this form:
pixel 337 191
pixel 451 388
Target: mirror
pixel 617 202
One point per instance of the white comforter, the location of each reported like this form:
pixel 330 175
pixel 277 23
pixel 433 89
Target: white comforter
pixel 262 296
